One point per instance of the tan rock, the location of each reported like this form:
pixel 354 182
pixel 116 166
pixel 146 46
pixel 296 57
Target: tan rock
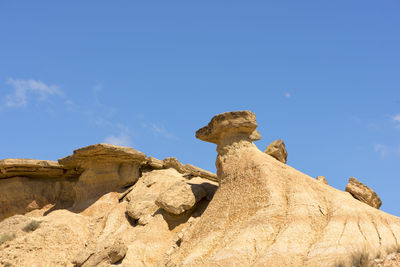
pixel 277 150
pixel 363 193
pixel 33 168
pixel 154 163
pixel 174 163
pixel 230 123
pixel 265 213
pixel 180 197
pixel 196 171
pixel 106 168
pixel 142 198
pixel 322 179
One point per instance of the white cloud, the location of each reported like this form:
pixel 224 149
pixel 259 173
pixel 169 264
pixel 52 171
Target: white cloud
pixel 23 89
pixel 288 95
pixel 382 149
pixel 122 139
pixel 396 119
pixel 159 130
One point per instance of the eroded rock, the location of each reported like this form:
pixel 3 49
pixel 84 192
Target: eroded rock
pixel 363 193
pixel 180 197
pixel 322 179
pixel 268 214
pixel 277 150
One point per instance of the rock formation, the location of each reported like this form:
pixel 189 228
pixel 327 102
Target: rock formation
pixel 113 206
pixel 277 150
pixel 322 179
pixel 363 193
pixel 266 213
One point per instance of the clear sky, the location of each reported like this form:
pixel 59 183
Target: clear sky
pixel 324 76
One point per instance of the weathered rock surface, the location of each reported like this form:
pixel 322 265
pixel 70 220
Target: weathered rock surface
pixel 264 213
pixel 105 168
pixel 180 197
pixel 277 150
pixel 363 193
pixel 269 214
pixel 30 168
pixel 322 179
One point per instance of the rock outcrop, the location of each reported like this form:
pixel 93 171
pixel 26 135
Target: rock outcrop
pixel 363 193
pixel 113 206
pixel 277 150
pixel 268 214
pixel 322 179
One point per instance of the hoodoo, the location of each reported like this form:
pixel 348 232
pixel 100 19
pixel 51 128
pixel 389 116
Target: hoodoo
pixel 266 213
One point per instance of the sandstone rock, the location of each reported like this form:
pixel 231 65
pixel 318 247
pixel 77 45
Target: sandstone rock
pixel 33 168
pixel 174 163
pixel 142 198
pixel 106 168
pixel 277 150
pixel 265 213
pixel 322 179
pixel 230 123
pixel 180 197
pixel 363 193
pixel 154 163
pixel 19 195
pixel 102 152
pixel 196 171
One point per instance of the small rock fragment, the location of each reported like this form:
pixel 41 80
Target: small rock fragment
pixel 322 179
pixel 277 150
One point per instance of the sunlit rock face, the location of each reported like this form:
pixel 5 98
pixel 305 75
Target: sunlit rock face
pixel 266 213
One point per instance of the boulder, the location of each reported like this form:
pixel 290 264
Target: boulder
pixel 180 197
pixel 154 163
pixel 277 150
pixel 322 179
pixel 363 193
pixel 142 198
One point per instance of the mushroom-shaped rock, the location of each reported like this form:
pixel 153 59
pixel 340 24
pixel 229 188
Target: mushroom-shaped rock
pixel 230 124
pixel 363 193
pixel 106 168
pixel 180 197
pixel 277 150
pixel 265 213
pixel 322 179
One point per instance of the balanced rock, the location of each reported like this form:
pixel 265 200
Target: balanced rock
pixel 363 193
pixel 322 179
pixel 180 197
pixel 277 150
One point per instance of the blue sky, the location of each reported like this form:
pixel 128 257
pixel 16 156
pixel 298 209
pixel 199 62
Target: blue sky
pixel 324 76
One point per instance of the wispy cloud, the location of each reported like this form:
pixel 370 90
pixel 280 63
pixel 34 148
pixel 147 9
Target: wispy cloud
pixel 396 119
pixel 23 90
pixel 123 139
pixel 159 130
pixel 382 150
pixel 288 95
